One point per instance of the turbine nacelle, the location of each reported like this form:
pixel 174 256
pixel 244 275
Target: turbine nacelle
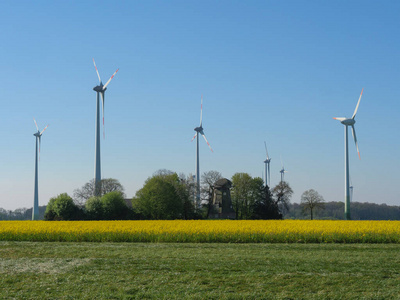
pixel 99 88
pixel 199 130
pixel 346 121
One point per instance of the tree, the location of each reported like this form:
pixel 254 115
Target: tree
pixel 207 182
pixel 108 185
pixel 264 206
pixel 94 208
pixel 241 195
pixel 61 207
pixel 114 206
pixel 311 200
pixel 163 196
pixel 282 193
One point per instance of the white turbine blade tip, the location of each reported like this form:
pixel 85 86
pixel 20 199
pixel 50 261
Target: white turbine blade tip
pixel 207 142
pixel 104 87
pixel 44 129
pixel 36 124
pixel 358 103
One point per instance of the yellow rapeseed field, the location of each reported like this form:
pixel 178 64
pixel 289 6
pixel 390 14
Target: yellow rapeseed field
pixel 204 231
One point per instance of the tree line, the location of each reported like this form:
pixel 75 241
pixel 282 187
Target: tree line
pixel 167 195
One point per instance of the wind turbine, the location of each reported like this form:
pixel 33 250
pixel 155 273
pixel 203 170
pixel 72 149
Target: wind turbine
pixel 267 169
pixel 282 171
pixel 196 135
pixel 100 89
pixel 38 135
pixel 348 122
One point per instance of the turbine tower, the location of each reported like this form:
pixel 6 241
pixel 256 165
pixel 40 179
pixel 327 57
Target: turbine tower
pixel 348 122
pixel 282 171
pixel 38 135
pixel 100 89
pixel 196 135
pixel 267 169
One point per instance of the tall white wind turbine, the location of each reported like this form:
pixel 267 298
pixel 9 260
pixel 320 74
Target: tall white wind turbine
pixel 38 135
pixel 196 135
pixel 348 122
pixel 100 89
pixel 267 180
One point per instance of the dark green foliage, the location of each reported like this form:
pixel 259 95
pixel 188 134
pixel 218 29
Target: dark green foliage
pixel 251 199
pixel 163 197
pixel 264 206
pixel 114 207
pixel 61 207
pixel 94 208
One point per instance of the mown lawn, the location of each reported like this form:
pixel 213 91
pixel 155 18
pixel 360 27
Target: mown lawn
pixel 198 271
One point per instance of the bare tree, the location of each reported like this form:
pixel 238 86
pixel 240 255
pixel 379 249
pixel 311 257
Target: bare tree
pixel 207 182
pixel 311 200
pixel 282 193
pixel 87 190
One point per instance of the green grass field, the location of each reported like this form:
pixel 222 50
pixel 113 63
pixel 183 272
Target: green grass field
pixel 198 271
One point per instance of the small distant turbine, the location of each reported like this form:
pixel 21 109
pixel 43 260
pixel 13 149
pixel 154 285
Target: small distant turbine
pixel 348 122
pixel 199 130
pixel 38 135
pixel 282 171
pixel 100 89
pixel 267 169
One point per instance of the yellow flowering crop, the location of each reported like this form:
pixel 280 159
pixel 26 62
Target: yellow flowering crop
pixel 204 231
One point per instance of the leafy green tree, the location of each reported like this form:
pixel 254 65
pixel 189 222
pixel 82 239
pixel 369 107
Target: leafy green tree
pixel 114 206
pixel 241 195
pixel 62 207
pixel 94 208
pixel 163 196
pixel 311 200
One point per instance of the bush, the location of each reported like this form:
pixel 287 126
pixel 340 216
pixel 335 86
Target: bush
pixel 62 207
pixel 114 206
pixel 94 208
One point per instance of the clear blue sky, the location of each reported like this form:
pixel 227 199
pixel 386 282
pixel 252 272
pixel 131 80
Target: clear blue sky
pixel 274 71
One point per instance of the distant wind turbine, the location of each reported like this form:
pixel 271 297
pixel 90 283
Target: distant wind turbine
pixel 38 135
pixel 199 130
pixel 267 168
pixel 100 89
pixel 282 171
pixel 348 122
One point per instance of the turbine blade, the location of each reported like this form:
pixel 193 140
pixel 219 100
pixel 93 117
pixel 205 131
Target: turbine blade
pixel 358 103
pixel 266 150
pixel 201 111
pixel 40 138
pixel 340 119
pixel 104 87
pixel 194 137
pixel 353 131
pixel 98 75
pixel 44 129
pixel 102 99
pixel 204 136
pixel 36 124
